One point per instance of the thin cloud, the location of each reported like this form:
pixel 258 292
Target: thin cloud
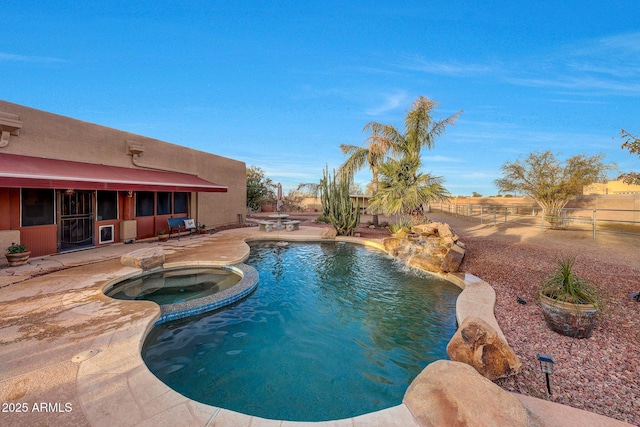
pixel 617 70
pixel 391 102
pixel 609 65
pixel 459 69
pixel 582 84
pixel 619 44
pixel 442 159
pixel 578 101
pixel 9 57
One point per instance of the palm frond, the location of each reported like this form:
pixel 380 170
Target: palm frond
pixel 358 157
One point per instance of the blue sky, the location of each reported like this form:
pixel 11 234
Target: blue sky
pixel 281 84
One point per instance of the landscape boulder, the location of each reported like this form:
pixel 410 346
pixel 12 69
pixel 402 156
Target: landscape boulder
pixel 453 394
pixel 391 244
pixel 478 345
pixel 432 247
pixel 453 258
pixel 328 233
pixel 146 258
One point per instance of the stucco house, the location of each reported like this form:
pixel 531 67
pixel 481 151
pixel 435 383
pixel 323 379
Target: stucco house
pixel 66 184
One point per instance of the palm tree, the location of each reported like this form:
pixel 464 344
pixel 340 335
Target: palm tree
pixel 419 131
pixel 402 189
pixel 373 156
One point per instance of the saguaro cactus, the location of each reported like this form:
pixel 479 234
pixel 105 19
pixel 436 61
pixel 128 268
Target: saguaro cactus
pixel 337 206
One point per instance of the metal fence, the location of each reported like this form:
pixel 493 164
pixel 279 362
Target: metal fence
pixel 582 219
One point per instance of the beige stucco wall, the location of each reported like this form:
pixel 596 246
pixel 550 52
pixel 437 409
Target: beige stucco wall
pixel 611 187
pixel 315 204
pixel 7 238
pixel 49 135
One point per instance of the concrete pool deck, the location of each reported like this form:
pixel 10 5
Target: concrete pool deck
pixel 71 356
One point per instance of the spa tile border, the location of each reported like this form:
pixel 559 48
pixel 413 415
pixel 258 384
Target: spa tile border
pixel 240 290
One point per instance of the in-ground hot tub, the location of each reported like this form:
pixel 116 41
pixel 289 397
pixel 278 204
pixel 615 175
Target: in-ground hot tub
pixel 187 290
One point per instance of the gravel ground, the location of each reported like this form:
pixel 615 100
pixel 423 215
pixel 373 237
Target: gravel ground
pixel 600 374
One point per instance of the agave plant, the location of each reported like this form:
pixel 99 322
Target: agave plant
pixel 401 223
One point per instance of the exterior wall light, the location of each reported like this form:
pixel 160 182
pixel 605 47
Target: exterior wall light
pixel 10 124
pixel 546 365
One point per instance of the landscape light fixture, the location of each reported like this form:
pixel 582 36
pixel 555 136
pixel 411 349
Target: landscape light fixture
pixel 546 364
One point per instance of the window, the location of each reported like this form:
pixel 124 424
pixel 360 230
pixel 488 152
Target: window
pixel 180 203
pixel 37 207
pixel 164 204
pixel 144 203
pixel 107 205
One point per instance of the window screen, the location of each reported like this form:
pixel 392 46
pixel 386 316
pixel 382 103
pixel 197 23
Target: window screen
pixel 144 203
pixel 180 203
pixel 37 207
pixel 107 205
pixel 164 204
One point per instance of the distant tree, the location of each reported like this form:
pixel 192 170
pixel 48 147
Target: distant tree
pixel 309 189
pixel 259 188
pixel 404 190
pixel 631 143
pixel 355 188
pixel 551 183
pixel 369 190
pixel 293 201
pixel 476 194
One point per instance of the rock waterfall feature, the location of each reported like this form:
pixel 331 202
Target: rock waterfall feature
pixel 432 247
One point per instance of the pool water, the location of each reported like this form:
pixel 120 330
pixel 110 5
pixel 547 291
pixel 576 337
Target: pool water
pixel 175 285
pixel 332 331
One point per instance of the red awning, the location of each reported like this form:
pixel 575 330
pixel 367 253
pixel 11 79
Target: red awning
pixel 34 172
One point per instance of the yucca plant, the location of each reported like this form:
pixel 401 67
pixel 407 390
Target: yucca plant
pixel 566 286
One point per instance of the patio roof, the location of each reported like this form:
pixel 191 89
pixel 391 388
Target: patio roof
pixel 35 172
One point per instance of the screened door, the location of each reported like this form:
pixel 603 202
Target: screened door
pixel 75 219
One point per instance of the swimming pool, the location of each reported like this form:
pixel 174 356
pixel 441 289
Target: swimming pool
pixel 333 331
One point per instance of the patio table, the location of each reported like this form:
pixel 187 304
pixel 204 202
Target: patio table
pixel 279 218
